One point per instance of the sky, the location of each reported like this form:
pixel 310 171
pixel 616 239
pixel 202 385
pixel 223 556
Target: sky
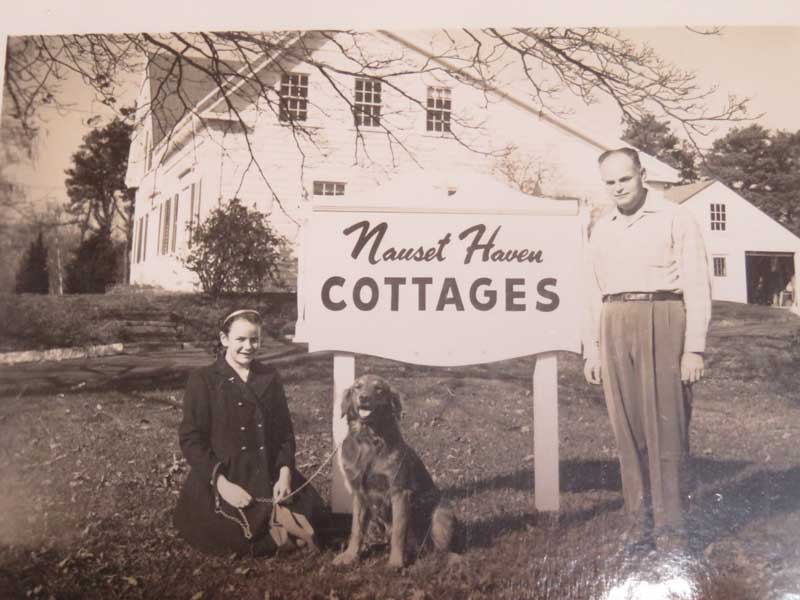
pixel 754 61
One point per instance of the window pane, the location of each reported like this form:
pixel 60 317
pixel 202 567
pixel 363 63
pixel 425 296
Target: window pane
pixel 439 107
pixel 366 103
pixel 329 188
pixel 294 94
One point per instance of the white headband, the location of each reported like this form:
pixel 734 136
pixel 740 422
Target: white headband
pixel 236 313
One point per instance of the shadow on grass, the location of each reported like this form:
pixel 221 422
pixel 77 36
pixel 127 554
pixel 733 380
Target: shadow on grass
pixel 723 510
pixel 583 476
pixel 127 374
pixel 9 582
pixel 578 476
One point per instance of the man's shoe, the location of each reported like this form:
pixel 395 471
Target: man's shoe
pixel 672 542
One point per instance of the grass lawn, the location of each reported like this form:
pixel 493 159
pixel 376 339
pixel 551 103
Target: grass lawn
pixel 89 481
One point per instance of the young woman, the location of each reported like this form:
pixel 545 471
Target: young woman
pixel 237 437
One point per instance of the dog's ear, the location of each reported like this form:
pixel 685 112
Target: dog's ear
pixel 397 406
pixel 347 404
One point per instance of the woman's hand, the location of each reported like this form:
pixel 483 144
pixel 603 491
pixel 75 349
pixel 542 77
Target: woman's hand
pixel 283 487
pixel 233 494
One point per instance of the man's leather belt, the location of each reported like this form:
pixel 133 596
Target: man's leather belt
pixel 642 296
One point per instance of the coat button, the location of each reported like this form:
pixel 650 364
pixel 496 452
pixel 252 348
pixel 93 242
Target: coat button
pixel 241 404
pixel 244 447
pixel 243 428
pixel 260 425
pixel 261 447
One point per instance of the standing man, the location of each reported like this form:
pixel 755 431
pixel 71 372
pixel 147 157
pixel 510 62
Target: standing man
pixel 648 309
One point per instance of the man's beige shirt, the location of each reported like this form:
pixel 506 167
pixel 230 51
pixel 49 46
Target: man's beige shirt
pixel 658 248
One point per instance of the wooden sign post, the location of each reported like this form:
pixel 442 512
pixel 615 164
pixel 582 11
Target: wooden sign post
pixel 445 270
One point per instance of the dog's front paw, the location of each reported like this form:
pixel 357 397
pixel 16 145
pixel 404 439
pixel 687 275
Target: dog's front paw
pixel 396 562
pixel 346 558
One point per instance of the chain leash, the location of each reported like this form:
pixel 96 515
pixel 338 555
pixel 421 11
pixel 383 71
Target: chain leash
pixel 243 522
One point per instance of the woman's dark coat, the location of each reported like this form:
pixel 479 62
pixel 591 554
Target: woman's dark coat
pixel 241 430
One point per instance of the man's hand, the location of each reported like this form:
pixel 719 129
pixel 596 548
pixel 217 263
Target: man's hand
pixel 691 367
pixel 233 494
pixel 283 487
pixel 591 370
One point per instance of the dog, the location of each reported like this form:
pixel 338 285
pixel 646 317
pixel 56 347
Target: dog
pixel 390 485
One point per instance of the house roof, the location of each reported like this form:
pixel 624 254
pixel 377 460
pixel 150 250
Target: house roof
pixel 681 193
pixel 171 102
pixel 177 85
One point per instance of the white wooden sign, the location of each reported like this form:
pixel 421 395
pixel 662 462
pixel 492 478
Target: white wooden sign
pixel 444 271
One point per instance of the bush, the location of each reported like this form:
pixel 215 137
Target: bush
pixel 33 276
pixel 95 266
pixel 236 251
pixel 29 322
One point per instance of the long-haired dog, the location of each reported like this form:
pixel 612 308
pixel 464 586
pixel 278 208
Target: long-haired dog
pixel 390 485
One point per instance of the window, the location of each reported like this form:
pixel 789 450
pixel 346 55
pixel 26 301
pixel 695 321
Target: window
pixel 148 152
pixel 144 244
pixel 294 97
pixel 438 113
pixel 328 188
pixel 165 222
pixel 194 210
pixel 175 224
pixel 720 267
pixel 136 235
pixel 367 106
pixel 139 224
pixel 160 228
pixel 718 217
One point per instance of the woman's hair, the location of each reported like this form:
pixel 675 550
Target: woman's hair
pixel 249 315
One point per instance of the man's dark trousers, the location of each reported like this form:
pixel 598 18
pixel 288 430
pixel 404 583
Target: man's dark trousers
pixel 641 343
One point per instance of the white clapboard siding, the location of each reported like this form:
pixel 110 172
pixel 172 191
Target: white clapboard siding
pixel 273 170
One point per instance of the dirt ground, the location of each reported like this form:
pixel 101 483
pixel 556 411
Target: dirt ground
pixel 88 481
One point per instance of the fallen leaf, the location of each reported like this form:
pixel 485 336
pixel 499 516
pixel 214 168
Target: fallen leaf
pixel 197 596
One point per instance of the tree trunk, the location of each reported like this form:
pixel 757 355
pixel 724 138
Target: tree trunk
pixel 59 269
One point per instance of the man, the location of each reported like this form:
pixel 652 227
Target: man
pixel 648 309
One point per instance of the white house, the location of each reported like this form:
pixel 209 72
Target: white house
pixel 190 152
pixel 752 257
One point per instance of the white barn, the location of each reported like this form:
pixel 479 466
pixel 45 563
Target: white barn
pixel 190 153
pixel 752 258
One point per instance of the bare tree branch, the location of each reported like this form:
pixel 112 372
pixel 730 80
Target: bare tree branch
pixel 241 68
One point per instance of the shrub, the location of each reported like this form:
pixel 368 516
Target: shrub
pixel 236 251
pixel 33 276
pixel 95 265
